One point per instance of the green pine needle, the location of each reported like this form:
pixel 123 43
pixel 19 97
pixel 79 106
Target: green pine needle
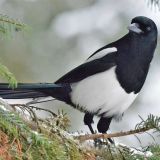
pixel 5 73
pixel 8 26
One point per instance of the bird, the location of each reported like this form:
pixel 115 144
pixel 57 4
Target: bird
pixel 107 83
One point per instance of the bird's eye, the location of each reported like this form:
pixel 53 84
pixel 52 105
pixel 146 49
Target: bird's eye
pixel 145 28
pixel 148 28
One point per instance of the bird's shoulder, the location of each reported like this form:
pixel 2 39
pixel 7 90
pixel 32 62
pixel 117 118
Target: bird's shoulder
pixel 100 61
pixel 102 52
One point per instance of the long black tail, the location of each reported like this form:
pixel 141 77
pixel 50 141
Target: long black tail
pixel 35 90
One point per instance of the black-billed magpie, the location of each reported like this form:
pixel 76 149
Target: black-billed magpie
pixel 107 83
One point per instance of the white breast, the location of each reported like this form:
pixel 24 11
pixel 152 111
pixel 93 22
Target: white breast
pixel 102 92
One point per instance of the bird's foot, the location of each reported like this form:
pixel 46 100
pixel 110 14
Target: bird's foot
pixel 103 142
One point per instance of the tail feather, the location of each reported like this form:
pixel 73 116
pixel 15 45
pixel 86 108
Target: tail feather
pixel 35 90
pixel 5 86
pixel 21 94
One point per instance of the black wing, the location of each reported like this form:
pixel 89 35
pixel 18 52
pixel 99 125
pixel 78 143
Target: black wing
pixel 89 68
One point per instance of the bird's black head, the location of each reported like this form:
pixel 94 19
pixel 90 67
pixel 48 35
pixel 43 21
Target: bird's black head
pixel 143 27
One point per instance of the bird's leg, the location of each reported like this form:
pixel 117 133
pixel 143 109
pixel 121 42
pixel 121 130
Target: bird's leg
pixel 103 126
pixel 88 120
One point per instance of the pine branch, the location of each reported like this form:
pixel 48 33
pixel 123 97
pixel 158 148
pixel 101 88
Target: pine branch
pixel 8 26
pixel 152 122
pixel 5 73
pixel 50 143
pixel 34 107
pixel 112 135
pixel 54 142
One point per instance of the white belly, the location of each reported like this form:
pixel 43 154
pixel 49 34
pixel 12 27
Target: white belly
pixel 102 93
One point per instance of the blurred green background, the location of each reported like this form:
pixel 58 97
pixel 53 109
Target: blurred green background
pixel 64 34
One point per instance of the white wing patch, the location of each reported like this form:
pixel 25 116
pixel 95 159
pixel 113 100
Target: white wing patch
pixel 103 93
pixel 102 53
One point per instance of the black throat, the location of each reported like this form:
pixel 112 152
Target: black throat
pixel 133 60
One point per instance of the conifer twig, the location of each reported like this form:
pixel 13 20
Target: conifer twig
pixel 152 122
pixel 112 135
pixel 34 107
pixel 4 72
pixel 6 20
pixel 11 21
